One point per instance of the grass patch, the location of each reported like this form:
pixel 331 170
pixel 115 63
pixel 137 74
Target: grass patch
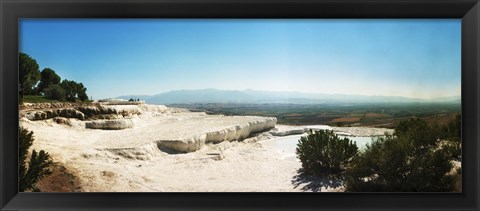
pixel 37 99
pixel 347 119
pixel 43 99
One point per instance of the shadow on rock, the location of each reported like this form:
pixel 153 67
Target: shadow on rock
pixel 170 151
pixel 315 183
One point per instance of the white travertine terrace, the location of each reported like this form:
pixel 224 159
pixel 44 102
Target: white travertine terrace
pixel 220 156
pixel 141 125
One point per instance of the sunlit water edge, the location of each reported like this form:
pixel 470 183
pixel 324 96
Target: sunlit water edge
pixel 286 145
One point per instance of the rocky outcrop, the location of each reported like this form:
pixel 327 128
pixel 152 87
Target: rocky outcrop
pixel 153 108
pixel 241 132
pixel 182 145
pixel 29 106
pixel 62 120
pixel 48 114
pixel 91 111
pixel 284 130
pixel 362 131
pixel 288 132
pixel 236 133
pixel 145 152
pixel 117 124
pixel 43 111
pixel 109 111
pixel 171 129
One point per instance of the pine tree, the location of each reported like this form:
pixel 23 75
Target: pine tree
pixel 38 165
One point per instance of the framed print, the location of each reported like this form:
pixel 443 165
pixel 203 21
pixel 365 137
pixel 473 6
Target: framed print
pixel 240 105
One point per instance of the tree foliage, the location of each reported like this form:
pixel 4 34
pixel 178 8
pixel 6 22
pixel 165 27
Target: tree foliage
pixel 411 159
pixel 29 74
pixel 38 165
pixel 55 92
pixel 49 85
pixel 83 95
pixel 49 78
pixel 324 153
pixel 74 90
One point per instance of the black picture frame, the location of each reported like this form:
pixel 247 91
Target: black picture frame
pixel 12 10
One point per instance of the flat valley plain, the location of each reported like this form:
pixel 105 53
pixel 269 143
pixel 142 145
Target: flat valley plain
pixel 385 115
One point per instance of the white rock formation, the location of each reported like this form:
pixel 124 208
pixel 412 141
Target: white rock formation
pixel 99 111
pixel 130 160
pixel 153 108
pixel 288 132
pixel 62 120
pixel 145 152
pixel 285 130
pixel 116 124
pixel 125 110
pixel 362 131
pixel 51 113
pixel 235 133
pixel 150 127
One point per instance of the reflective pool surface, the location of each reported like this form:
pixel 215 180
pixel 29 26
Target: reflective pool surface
pixel 288 144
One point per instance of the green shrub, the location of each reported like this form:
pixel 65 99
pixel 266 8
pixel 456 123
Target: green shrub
pixel 324 153
pixel 453 130
pixel 451 134
pixel 38 165
pixel 55 92
pixel 452 147
pixel 410 160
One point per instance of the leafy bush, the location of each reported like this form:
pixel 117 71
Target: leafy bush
pixel 323 152
pixel 38 165
pixel 55 92
pixel 452 136
pixel 409 160
pixel 453 131
pixel 453 148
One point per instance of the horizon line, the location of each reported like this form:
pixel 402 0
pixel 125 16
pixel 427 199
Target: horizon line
pixel 301 92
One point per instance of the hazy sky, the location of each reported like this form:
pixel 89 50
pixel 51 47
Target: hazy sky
pixel 412 58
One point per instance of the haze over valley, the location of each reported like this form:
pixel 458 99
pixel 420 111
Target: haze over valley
pixel 250 96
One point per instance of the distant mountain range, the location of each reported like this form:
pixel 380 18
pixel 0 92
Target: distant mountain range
pixel 256 96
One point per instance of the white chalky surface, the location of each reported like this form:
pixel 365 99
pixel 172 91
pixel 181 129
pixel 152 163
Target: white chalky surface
pixel 130 160
pixel 100 157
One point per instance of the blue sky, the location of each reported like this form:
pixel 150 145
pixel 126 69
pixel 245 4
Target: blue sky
pixel 411 58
